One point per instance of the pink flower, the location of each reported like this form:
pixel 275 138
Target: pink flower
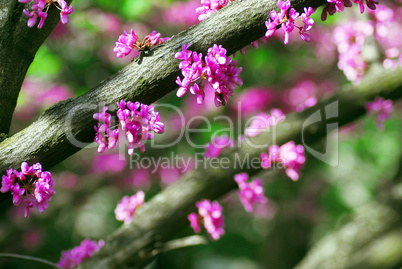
pixel 289 155
pixel 250 193
pixel 264 121
pixel 71 258
pixel 129 41
pixel 211 216
pixel 31 186
pixel 217 145
pixel 65 11
pixel 382 108
pixel 194 222
pixel 210 6
pixel 40 9
pixel 136 121
pixel 287 19
pixel 217 69
pixel 128 205
pixel 350 39
pixel 302 95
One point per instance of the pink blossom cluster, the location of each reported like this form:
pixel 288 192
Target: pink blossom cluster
pixel 264 121
pixel 388 25
pixel 129 41
pixel 287 19
pixel 302 95
pixel 128 205
pixel 338 6
pixel 289 155
pixel 71 258
pixel 210 6
pixel 136 120
pixel 218 69
pixel 250 193
pixel 31 186
pixel 349 39
pixel 210 214
pixel 217 145
pixel 40 8
pixel 382 108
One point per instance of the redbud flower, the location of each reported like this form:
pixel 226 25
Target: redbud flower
pixel 382 108
pixel 217 69
pixel 289 155
pixel 31 186
pixel 287 19
pixel 136 121
pixel 71 258
pixel 194 222
pixel 40 9
pixel 302 95
pixel 129 41
pixel 250 193
pixel 264 121
pixel 217 145
pixel 350 39
pixel 128 205
pixel 210 214
pixel 210 6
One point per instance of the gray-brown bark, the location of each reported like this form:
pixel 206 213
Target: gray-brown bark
pixel 156 222
pixel 371 239
pixel 18 46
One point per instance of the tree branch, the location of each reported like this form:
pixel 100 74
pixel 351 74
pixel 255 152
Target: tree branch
pixel 18 46
pixel 371 239
pixel 166 214
pixel 67 127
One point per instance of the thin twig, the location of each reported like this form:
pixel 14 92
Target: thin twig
pixel 30 258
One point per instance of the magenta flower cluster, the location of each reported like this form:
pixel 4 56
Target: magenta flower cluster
pixel 40 8
pixel 382 108
pixel 387 26
pixel 287 19
pixel 338 6
pixel 210 6
pixel 128 205
pixel 129 41
pixel 350 39
pixel 136 120
pixel 264 121
pixel 210 214
pixel 250 193
pixel 217 145
pixel 289 155
pixel 71 258
pixel 218 69
pixel 31 186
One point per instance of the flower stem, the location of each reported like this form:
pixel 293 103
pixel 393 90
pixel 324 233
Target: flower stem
pixel 18 256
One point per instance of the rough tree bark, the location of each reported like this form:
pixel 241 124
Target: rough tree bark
pixel 18 46
pixel 134 245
